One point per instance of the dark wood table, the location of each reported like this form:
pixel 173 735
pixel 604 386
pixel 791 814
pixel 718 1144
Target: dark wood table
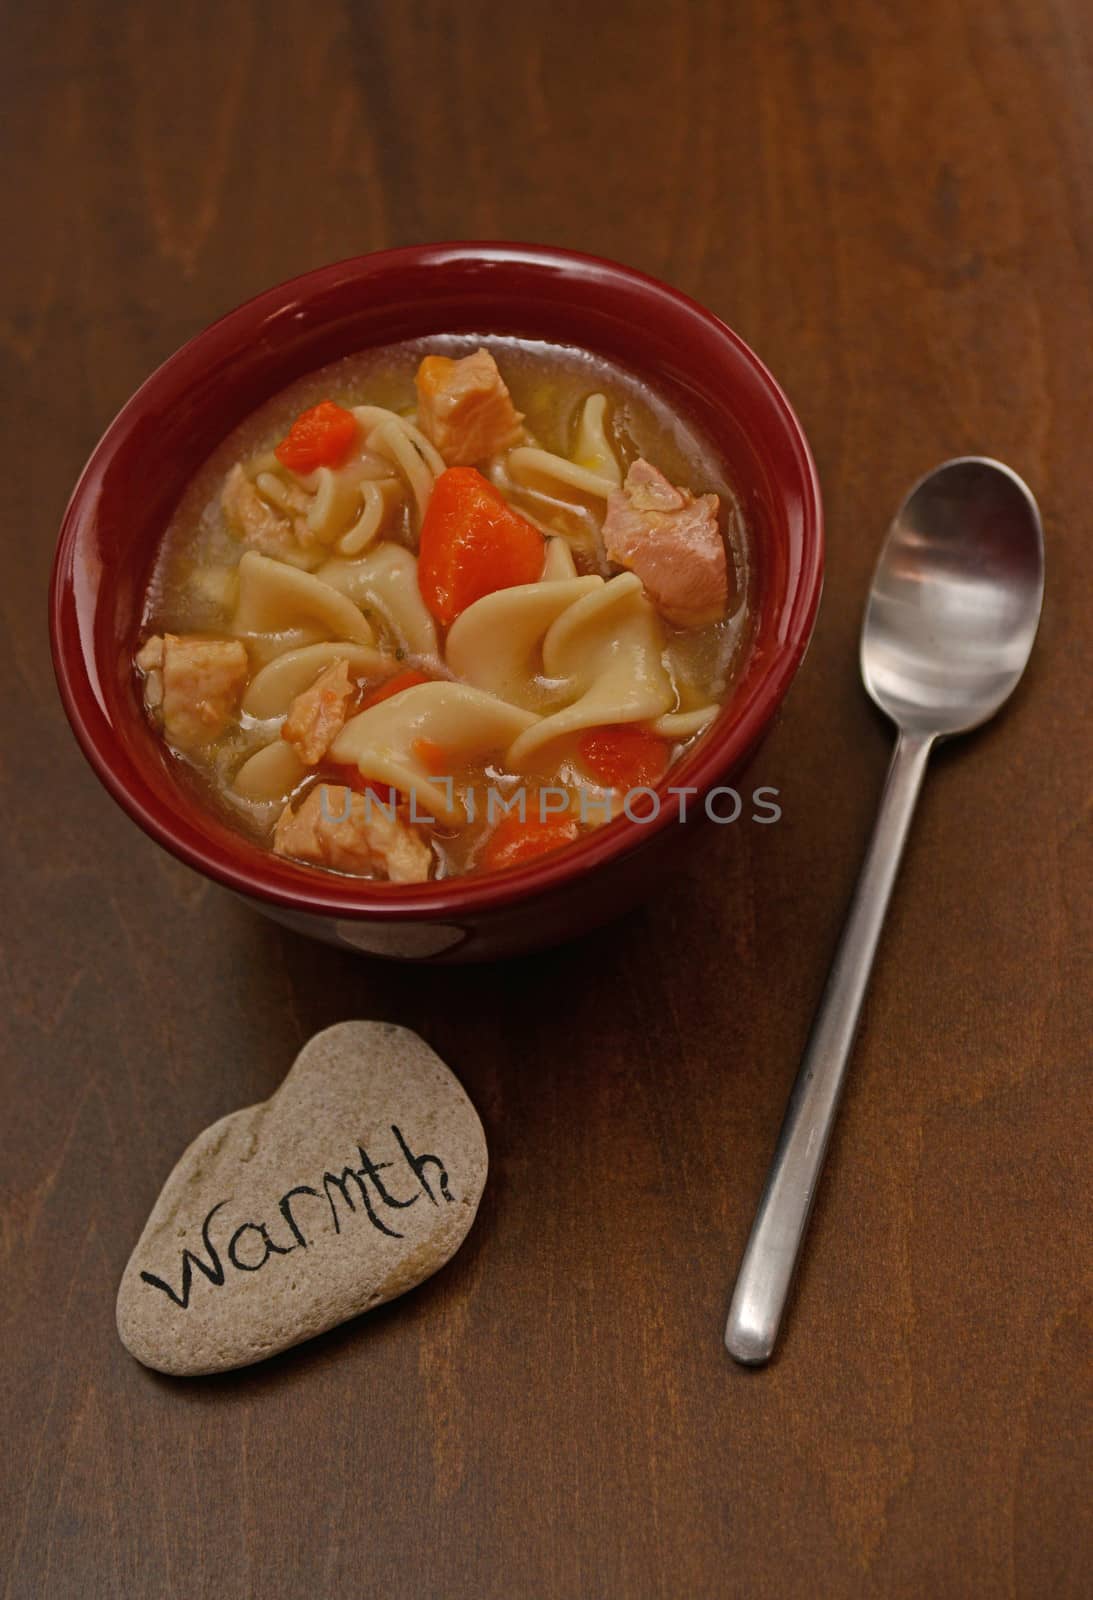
pixel 892 204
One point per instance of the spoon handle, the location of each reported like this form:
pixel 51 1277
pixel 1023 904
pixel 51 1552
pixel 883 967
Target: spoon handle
pixel 762 1285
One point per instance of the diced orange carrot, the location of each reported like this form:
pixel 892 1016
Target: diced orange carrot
pixel 432 756
pixel 472 542
pixel 624 755
pixel 515 840
pixel 320 437
pixel 402 680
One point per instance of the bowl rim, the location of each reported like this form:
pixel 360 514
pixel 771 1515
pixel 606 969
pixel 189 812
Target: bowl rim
pixel 720 752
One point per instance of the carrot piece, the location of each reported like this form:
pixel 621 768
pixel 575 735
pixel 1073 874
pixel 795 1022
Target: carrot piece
pixel 624 755
pixel 320 437
pixel 515 840
pixel 472 543
pixel 402 680
pixel 432 756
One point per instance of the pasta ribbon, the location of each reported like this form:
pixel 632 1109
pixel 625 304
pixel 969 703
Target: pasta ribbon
pixel 341 496
pixel 269 774
pixel 495 642
pixel 528 467
pixel 608 646
pixel 684 724
pixel 373 509
pixel 275 686
pixel 405 446
pixel 559 561
pixel 386 580
pixel 278 600
pixel 385 741
pixel 593 448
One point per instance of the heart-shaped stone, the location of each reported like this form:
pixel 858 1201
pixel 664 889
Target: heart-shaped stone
pixel 354 1182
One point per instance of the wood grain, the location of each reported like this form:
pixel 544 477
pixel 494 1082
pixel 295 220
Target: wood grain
pixel 891 203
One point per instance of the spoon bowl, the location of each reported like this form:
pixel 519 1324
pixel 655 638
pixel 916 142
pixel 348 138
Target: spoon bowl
pixel 956 598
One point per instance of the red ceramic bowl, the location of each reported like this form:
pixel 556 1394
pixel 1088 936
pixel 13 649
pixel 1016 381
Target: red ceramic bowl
pixel 140 468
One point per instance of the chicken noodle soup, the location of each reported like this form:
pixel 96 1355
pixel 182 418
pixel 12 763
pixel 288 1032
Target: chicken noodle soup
pixel 441 608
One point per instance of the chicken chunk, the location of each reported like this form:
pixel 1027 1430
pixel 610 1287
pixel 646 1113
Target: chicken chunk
pixel 258 523
pixel 465 408
pixel 317 716
pixel 671 539
pixel 334 827
pixel 197 685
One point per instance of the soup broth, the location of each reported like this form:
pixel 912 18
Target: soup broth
pixel 444 606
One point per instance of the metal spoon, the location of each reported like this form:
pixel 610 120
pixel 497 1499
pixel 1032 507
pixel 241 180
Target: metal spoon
pixel 948 630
